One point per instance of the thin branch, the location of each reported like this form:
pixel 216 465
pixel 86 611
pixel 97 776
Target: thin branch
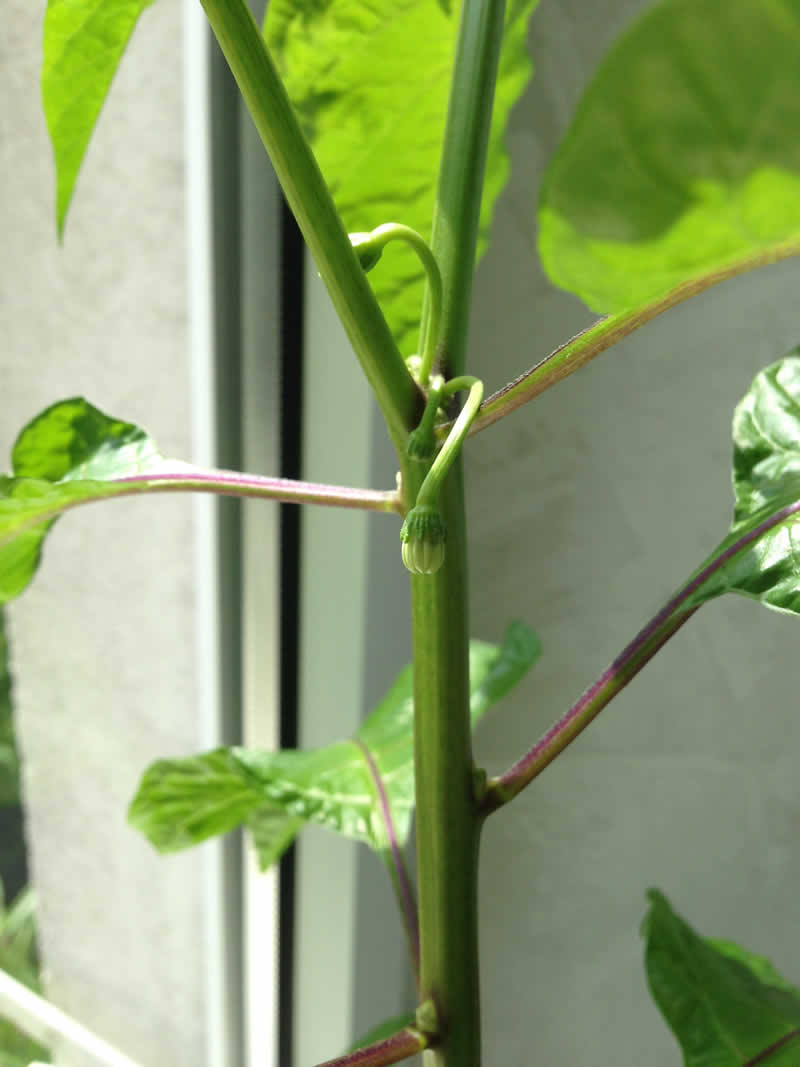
pixel 678 610
pixel 398 869
pixel 583 348
pixel 232 483
pixel 188 480
pixel 625 667
pixel 400 1046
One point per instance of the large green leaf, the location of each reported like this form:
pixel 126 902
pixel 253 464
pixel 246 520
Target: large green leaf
pixel 683 157
pixel 725 1005
pixel 370 83
pixel 183 801
pixel 83 44
pixel 760 557
pixel 69 454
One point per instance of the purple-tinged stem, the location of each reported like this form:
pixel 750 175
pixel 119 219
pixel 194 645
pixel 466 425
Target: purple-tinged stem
pixel 188 479
pixel 397 868
pixel 600 336
pixel 232 483
pixel 763 1056
pixel 626 666
pixel 400 1046
pixel 629 662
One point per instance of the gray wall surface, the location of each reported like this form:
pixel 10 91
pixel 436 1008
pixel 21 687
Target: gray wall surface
pixel 103 642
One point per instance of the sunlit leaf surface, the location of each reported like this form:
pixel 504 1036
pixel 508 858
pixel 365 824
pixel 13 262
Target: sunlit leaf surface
pixel 760 557
pixel 69 454
pixel 370 83
pixel 83 43
pixel 682 158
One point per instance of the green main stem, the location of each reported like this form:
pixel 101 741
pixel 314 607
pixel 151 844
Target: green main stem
pixel 456 213
pixel 448 826
pixel 448 822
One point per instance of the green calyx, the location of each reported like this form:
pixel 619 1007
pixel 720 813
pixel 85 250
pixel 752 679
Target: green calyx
pixel 423 536
pixel 421 445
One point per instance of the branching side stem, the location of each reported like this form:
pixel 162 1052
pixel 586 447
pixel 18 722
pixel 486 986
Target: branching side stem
pixel 311 202
pixel 678 610
pixel 400 1046
pixel 604 334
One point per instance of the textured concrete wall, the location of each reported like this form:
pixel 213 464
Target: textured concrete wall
pixel 103 641
pixel 588 508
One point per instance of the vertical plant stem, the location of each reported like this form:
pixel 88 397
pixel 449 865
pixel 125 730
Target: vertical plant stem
pixel 458 197
pixel 447 824
pixel 311 202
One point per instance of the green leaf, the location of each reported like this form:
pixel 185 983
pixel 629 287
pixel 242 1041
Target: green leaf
pixel 762 968
pixel 69 454
pixel 83 45
pixel 724 1005
pixel 682 159
pixel 18 938
pixel 383 1030
pixel 181 802
pixel 272 831
pixel 19 1050
pixel 370 83
pixel 760 557
pixel 18 958
pixel 766 439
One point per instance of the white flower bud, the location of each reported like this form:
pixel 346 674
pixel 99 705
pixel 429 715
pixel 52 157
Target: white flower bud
pixel 423 536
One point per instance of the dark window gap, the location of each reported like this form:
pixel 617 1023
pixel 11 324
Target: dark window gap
pixel 291 376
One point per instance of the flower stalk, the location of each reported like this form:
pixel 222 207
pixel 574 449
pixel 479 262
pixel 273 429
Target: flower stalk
pixel 369 247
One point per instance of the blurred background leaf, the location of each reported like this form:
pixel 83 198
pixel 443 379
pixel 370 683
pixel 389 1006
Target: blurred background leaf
pixel 682 157
pixel 370 83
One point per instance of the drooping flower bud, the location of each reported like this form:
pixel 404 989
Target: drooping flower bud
pixel 367 249
pixel 423 536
